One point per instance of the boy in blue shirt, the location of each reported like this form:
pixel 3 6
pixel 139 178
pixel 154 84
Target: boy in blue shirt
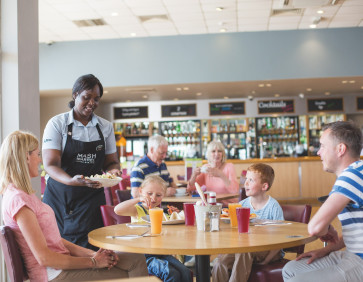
pixel 259 180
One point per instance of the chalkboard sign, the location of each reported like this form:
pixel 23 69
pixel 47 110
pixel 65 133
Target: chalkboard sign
pixel 221 109
pixel 130 112
pixel 275 106
pixel 325 105
pixel 186 110
pixel 360 104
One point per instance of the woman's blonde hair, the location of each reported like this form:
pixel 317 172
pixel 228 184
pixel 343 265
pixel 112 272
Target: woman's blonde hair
pixel 14 168
pixel 154 179
pixel 216 145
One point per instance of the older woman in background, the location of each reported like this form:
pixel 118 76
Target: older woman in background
pixel 217 175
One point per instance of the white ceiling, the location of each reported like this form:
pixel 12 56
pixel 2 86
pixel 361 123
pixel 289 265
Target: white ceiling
pixel 143 18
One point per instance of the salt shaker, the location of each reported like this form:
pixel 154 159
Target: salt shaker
pixel 214 221
pixel 206 221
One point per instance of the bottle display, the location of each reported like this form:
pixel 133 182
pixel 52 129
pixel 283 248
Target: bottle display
pixel 277 136
pixel 184 138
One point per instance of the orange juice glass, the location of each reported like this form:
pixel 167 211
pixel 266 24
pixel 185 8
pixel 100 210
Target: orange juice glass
pixel 232 213
pixel 156 219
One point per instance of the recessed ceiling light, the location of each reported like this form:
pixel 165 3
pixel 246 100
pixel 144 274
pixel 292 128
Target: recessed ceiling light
pixel 128 101
pixel 268 85
pixel 219 9
pixel 301 95
pixel 309 89
pixel 105 91
pixel 327 93
pixel 222 30
pixel 178 89
pixel 199 94
pixel 320 12
pixel 176 99
pixel 344 81
pixel 114 14
pixel 253 91
pixel 277 95
pixel 145 96
pixel 133 34
pixel 352 81
pixel 186 88
pixel 312 26
pixel 225 97
pixel 261 85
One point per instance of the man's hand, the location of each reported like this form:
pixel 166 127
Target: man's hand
pixel 331 236
pixel 314 254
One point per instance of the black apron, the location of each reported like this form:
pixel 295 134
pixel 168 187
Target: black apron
pixel 77 208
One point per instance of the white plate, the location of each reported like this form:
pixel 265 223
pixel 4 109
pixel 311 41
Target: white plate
pixel 107 182
pixel 169 222
pixel 181 195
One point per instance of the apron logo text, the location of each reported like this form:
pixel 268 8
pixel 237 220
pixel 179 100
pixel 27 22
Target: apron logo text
pixel 86 158
pixel 99 148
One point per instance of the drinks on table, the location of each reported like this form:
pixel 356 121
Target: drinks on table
pixel 232 213
pixel 156 219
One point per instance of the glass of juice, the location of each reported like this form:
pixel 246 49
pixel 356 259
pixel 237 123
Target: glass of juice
pixel 232 213
pixel 156 219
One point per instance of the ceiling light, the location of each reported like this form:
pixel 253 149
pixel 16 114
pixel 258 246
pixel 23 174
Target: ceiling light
pixel 320 12
pixel 253 92
pixel 250 97
pixel 222 30
pixel 145 96
pixel 105 91
pixel 176 99
pixel 312 26
pixel 261 85
pixel 277 95
pixel 199 94
pixel 219 9
pixel 178 89
pixel 114 14
pixel 133 34
pixel 301 95
pixel 186 88
pixel 309 89
pixel 225 97
pixel 361 87
pixel 268 84
pixel 352 81
pixel 327 93
pixel 128 101
pixel 344 81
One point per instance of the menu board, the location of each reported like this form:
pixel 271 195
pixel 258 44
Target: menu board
pixel 220 109
pixel 186 110
pixel 275 106
pixel 325 105
pixel 130 112
pixel 360 103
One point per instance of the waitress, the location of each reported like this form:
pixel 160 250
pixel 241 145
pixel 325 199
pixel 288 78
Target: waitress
pixel 77 144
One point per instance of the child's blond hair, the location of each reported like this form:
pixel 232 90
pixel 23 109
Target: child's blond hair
pixel 154 179
pixel 265 171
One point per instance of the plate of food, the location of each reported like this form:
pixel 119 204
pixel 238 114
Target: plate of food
pixel 174 218
pixel 106 179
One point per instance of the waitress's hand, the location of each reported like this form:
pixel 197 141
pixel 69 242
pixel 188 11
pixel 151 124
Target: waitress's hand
pixel 80 180
pixel 115 171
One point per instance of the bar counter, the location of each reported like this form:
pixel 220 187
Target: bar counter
pixel 295 178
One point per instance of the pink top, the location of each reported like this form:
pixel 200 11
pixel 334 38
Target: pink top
pixel 13 200
pixel 217 185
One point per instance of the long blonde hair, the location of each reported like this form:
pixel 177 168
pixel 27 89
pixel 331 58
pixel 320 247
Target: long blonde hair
pixel 13 160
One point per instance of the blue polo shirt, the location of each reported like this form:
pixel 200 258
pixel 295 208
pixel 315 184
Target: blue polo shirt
pixel 145 167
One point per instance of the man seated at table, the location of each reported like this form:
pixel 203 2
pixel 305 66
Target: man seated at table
pixel 259 179
pixel 152 164
pixel 340 147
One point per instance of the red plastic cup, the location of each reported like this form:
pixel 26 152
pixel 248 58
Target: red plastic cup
pixel 189 213
pixel 243 219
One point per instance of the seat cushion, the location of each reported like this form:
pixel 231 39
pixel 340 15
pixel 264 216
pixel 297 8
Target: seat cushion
pixel 269 272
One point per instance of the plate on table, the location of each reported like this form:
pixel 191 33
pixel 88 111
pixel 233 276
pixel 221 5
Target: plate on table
pixel 169 222
pixel 107 182
pixel 181 195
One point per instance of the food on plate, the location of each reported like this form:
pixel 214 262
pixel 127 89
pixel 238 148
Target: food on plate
pixel 106 175
pixel 253 215
pixel 174 216
pixel 225 214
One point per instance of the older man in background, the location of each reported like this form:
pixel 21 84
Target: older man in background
pixel 152 164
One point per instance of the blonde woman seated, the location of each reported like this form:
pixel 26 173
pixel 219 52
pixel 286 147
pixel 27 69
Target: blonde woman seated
pixel 47 256
pixel 217 175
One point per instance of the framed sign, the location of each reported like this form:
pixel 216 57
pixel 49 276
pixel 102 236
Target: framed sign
pixel 130 112
pixel 360 103
pixel 275 106
pixel 325 105
pixel 221 109
pixel 186 110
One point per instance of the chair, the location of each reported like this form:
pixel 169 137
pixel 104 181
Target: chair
pixel 124 183
pixel 242 194
pixel 180 177
pixel 14 262
pixel 109 217
pixel 273 271
pixel 123 195
pixel 110 195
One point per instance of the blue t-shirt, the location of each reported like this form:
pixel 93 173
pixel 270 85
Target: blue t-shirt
pixel 145 167
pixel 271 210
pixel 350 184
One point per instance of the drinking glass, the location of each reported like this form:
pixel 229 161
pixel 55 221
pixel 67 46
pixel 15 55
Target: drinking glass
pixel 156 219
pixel 232 213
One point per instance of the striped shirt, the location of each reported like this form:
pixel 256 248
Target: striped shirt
pixel 350 184
pixel 145 167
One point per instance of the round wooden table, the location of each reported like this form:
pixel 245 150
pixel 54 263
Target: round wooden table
pixel 187 240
